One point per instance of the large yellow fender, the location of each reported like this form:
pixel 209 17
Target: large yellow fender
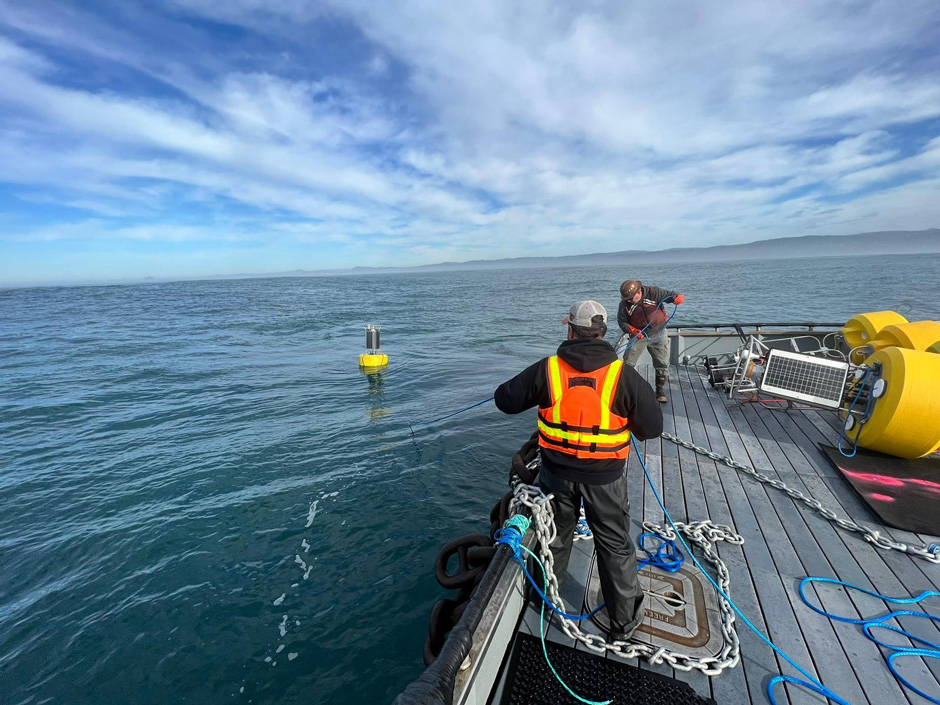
pixel 905 418
pixel 863 328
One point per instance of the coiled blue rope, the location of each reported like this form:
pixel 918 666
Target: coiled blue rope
pixel 667 556
pixel 933 650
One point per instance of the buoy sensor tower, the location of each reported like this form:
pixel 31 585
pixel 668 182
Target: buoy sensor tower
pixel 374 359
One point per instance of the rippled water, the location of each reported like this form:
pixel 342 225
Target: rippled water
pixel 204 500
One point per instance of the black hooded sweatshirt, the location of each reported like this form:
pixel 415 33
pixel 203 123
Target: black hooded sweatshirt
pixel 633 400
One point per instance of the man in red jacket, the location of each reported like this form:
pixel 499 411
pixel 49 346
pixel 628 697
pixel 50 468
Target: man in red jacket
pixel 642 317
pixel 589 406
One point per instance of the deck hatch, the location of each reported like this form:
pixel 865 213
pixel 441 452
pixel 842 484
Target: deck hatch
pixel 805 378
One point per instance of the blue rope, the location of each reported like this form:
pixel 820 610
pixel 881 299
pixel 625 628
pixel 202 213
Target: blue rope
pixel 667 556
pixel 542 635
pixel 634 339
pixel 879 622
pixel 513 539
pixel 511 535
pixel 849 415
pixel 434 421
pixel 813 683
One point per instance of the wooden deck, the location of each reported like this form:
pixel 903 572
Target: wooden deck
pixel 784 542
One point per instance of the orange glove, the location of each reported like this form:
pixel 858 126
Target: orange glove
pixel 679 298
pixel 636 333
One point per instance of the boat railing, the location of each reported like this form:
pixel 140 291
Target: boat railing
pixel 716 327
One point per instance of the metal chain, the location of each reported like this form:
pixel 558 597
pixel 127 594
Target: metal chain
pixel 930 553
pixel 703 533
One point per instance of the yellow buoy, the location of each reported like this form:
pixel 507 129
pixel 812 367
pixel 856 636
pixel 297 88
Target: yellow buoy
pixel 905 414
pixel 375 359
pixel 863 328
pixel 919 335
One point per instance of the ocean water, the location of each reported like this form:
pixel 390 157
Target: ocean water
pixel 203 500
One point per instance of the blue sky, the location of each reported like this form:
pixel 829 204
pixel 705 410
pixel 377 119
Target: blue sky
pixel 197 137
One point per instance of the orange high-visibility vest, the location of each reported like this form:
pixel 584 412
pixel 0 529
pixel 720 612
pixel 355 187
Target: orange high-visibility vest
pixel 579 421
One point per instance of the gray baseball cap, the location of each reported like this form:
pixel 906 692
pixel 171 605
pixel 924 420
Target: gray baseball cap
pixel 582 312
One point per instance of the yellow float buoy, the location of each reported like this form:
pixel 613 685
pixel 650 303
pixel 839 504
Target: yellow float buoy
pixel 905 413
pixel 863 328
pixel 375 359
pixel 919 335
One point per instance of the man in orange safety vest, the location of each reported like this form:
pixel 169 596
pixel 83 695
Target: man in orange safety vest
pixel 590 404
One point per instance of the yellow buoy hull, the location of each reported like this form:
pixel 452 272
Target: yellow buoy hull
pixel 863 328
pixel 370 361
pixel 905 420
pixel 919 335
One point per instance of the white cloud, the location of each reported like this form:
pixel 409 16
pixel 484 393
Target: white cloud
pixel 488 129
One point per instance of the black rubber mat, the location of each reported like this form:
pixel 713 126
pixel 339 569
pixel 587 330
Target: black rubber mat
pixel 530 681
pixel 904 494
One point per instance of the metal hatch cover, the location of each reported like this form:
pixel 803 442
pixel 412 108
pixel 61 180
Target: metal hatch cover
pixel 681 610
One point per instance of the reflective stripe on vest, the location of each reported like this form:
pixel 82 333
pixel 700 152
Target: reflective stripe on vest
pixel 560 425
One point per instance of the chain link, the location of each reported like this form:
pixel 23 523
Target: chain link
pixel 703 533
pixel 930 553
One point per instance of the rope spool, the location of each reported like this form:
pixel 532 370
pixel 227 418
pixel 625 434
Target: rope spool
pixel 904 417
pixel 863 328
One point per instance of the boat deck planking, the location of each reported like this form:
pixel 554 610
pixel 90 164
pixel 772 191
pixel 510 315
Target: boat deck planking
pixel 785 541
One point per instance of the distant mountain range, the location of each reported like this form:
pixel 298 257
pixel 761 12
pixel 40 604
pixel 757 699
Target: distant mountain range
pixel 892 242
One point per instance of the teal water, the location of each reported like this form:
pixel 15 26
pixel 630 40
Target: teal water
pixel 203 500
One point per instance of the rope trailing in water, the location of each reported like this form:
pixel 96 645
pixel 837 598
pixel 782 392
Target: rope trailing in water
pixel 813 683
pixel 438 420
pixel 933 650
pixel 511 535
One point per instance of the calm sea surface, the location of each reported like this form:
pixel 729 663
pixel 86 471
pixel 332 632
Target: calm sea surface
pixel 203 500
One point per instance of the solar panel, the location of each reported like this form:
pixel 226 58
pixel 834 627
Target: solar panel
pixel 805 378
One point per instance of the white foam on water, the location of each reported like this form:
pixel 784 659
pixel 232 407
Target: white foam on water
pixel 294 584
pixel 280 648
pixel 304 545
pixel 267 659
pixel 323 611
pixel 297 622
pixel 280 599
pixel 282 627
pixel 300 561
pixel 308 571
pixel 242 689
pixel 312 513
pixel 292 655
pixel 330 494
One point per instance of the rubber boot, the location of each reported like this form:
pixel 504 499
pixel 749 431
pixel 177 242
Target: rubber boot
pixel 660 394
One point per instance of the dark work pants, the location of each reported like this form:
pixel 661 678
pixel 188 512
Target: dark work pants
pixel 607 509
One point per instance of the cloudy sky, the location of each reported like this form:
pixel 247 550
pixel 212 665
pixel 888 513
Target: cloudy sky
pixel 188 137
